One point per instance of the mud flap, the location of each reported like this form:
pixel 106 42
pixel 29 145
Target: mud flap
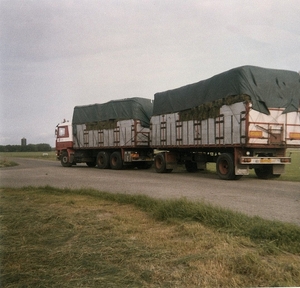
pixel 171 160
pixel 241 169
pixel 278 169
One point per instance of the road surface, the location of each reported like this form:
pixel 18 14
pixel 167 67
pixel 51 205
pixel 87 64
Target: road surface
pixel 270 199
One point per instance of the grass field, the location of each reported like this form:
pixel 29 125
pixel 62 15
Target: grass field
pixel 85 238
pixel 5 157
pixel 50 155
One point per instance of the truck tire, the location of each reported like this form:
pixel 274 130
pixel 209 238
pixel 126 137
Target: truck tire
pixel 190 166
pixel 64 160
pixel 264 172
pixel 160 164
pixel 116 162
pixel 103 160
pixel 225 167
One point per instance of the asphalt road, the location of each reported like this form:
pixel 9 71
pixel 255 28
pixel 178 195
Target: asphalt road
pixel 270 199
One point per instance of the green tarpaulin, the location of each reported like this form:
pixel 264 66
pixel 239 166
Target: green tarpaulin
pixel 267 88
pixel 124 109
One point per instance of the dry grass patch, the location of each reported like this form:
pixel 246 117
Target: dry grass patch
pixel 4 162
pixel 68 240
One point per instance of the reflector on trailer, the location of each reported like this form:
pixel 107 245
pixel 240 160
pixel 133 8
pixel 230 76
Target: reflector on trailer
pixel 294 135
pixel 255 134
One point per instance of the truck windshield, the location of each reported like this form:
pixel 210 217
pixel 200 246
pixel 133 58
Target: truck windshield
pixel 63 131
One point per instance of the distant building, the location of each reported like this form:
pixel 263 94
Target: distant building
pixel 23 142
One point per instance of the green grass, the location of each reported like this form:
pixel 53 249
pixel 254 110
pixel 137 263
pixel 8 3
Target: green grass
pixel 281 235
pixel 34 155
pixel 6 162
pixel 84 238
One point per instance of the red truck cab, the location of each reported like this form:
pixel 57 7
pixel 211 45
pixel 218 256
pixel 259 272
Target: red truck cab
pixel 64 142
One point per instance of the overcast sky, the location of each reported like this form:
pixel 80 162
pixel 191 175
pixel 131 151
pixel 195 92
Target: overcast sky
pixel 56 54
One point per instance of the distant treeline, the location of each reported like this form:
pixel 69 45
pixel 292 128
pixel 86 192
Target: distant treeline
pixel 26 148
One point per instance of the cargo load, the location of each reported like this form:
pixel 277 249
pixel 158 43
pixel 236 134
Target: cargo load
pixel 267 88
pixel 108 135
pixel 122 123
pixel 115 110
pixel 242 119
pixel 248 115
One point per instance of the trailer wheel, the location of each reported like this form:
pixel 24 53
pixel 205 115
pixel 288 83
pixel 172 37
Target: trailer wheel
pixel 103 159
pixel 116 162
pixel 264 172
pixel 64 160
pixel 160 164
pixel 225 167
pixel 190 166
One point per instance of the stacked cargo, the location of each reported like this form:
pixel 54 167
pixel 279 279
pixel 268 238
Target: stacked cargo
pixel 108 135
pixel 245 113
pixel 122 123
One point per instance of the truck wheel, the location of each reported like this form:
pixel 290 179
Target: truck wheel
pixel 160 164
pixel 190 166
pixel 225 167
pixel 264 172
pixel 103 159
pixel 64 160
pixel 116 162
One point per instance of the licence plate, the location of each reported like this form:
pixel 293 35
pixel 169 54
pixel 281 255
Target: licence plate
pixel 265 160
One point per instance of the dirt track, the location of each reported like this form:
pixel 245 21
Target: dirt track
pixel 269 199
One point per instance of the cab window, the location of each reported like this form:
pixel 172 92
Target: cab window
pixel 63 132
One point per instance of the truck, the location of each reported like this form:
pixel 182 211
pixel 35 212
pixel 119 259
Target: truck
pixel 109 135
pixel 245 118
pixel 241 119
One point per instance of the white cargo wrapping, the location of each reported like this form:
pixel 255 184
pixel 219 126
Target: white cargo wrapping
pixel 229 128
pixel 127 133
pixel 168 130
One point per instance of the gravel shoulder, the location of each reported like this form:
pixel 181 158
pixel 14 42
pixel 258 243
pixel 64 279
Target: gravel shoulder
pixel 270 199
